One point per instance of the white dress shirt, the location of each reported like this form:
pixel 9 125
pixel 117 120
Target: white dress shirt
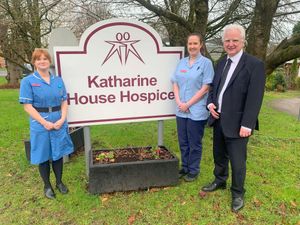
pixel 235 60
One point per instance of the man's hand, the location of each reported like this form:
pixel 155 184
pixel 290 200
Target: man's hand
pixel 245 132
pixel 212 108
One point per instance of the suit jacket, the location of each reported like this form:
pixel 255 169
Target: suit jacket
pixel 242 97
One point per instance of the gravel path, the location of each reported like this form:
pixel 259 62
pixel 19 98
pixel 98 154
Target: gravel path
pixel 290 105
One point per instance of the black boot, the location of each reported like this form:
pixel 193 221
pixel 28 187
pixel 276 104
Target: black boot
pixel 44 169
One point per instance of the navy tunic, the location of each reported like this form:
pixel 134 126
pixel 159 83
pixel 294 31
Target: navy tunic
pixel 46 144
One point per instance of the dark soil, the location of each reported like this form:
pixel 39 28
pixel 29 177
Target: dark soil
pixel 130 155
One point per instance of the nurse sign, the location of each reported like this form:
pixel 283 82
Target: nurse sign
pixel 120 72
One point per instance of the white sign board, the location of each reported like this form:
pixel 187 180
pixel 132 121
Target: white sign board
pixel 120 72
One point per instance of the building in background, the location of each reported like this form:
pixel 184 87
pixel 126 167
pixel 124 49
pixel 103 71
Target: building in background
pixel 288 65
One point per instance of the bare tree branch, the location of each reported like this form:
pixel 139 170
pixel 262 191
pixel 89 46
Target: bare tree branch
pixel 165 13
pixel 287 50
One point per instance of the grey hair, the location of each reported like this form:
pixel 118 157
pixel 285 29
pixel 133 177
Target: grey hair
pixel 235 27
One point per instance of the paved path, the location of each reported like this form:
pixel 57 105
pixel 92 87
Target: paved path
pixel 290 105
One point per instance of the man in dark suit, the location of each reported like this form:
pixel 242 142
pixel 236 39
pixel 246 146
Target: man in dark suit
pixel 234 103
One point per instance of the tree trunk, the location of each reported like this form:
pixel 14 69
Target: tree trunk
pixel 177 34
pixel 22 26
pixel 260 27
pixel 14 74
pixel 201 17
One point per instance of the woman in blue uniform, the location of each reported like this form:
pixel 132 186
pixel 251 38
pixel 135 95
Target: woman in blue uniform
pixel 44 98
pixel 191 82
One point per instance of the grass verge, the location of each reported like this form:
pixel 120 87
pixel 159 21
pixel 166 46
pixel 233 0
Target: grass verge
pixel 272 184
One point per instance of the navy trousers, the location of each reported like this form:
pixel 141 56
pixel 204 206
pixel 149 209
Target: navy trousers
pixel 190 133
pixel 233 150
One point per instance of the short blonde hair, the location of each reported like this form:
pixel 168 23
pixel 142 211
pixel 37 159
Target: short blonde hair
pixel 38 52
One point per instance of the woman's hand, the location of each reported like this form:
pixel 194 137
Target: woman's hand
pixel 48 125
pixel 58 124
pixel 184 107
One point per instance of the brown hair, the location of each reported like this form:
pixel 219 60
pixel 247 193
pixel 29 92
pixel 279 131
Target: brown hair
pixel 202 50
pixel 195 34
pixel 38 52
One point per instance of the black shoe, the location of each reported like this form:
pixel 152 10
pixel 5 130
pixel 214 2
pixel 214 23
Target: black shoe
pixel 190 177
pixel 182 173
pixel 62 188
pixel 49 193
pixel 237 204
pixel 213 187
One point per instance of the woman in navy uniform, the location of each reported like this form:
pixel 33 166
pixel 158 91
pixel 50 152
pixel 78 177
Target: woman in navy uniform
pixel 191 82
pixel 43 96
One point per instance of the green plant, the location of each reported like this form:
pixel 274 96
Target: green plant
pixel 297 82
pixel 293 73
pixel 155 151
pixel 276 82
pixel 106 156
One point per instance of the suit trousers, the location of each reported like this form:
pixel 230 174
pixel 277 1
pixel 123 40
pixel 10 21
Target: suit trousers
pixel 190 133
pixel 227 149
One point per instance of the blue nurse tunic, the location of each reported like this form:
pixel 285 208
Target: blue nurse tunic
pixel 46 145
pixel 190 79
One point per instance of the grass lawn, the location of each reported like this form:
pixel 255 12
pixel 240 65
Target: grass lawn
pixel 2 79
pixel 272 184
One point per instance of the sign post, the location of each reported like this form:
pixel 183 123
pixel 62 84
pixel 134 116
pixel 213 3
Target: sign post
pixel 87 146
pixel 160 132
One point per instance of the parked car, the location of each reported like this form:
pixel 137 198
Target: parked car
pixel 27 69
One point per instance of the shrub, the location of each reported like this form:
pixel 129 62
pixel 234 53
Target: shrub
pixel 297 82
pixel 269 83
pixel 291 77
pixel 276 82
